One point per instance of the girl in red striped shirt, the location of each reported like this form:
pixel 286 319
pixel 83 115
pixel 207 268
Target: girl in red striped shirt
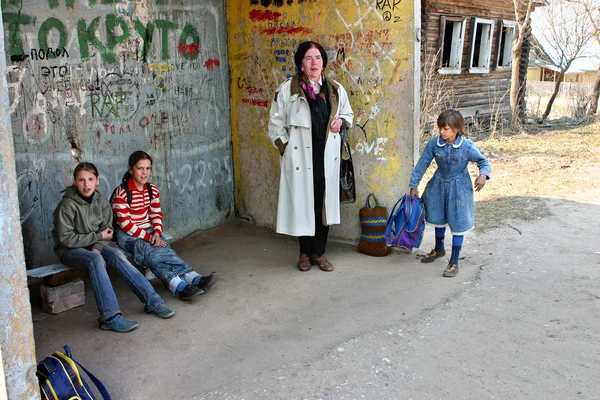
pixel 140 227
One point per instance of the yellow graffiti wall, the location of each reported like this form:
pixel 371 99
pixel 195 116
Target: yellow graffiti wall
pixel 371 50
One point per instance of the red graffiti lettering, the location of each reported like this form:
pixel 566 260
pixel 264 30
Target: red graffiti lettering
pixel 188 49
pixel 253 90
pixel 144 122
pixel 288 30
pixel 256 102
pixel 211 64
pixel 258 15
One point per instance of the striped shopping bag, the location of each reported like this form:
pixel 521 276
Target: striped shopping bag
pixel 373 222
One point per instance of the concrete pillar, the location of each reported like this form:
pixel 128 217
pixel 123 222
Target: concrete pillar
pixel 3 394
pixel 16 327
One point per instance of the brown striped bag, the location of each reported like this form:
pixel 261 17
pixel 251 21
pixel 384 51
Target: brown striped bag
pixel 373 222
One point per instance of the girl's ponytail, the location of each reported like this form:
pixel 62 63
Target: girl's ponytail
pixel 126 176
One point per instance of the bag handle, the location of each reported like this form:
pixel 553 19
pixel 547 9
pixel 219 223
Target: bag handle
pixel 99 385
pixel 368 203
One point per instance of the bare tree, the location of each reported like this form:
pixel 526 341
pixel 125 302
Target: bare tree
pixel 523 10
pixel 564 31
pixel 592 10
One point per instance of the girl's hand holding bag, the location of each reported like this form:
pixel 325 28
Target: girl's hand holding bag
pixel 373 222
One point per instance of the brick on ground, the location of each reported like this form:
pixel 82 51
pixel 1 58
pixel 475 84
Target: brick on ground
pixel 62 298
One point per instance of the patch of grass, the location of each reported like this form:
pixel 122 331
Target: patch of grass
pixel 496 212
pixel 529 167
pixel 557 160
pixel 534 163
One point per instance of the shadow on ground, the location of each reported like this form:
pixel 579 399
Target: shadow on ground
pixel 510 325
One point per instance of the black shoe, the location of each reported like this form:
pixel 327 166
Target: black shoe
pixel 432 256
pixel 207 281
pixel 188 292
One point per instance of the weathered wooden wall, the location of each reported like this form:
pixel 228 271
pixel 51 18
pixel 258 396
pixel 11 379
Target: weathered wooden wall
pixel 473 93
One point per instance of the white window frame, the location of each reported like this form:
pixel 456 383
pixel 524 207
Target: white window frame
pixel 485 46
pixel 502 40
pixel 457 44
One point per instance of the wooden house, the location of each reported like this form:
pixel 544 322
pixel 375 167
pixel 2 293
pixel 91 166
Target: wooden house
pixel 466 54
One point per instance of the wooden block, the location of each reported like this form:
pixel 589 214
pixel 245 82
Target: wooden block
pixel 51 294
pixel 60 278
pixel 64 304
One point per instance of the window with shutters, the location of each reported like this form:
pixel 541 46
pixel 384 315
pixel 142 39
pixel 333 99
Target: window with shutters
pixel 482 31
pixel 505 43
pixel 451 40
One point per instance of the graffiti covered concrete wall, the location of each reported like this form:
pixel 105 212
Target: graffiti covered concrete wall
pixel 371 46
pixel 95 80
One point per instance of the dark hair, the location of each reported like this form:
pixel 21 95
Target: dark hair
pixel 137 156
pixel 134 158
pixel 303 48
pixel 85 166
pixel 453 119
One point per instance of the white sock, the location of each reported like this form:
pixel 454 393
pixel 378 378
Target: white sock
pixel 174 283
pixel 190 276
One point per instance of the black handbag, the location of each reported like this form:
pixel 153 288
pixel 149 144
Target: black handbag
pixel 347 184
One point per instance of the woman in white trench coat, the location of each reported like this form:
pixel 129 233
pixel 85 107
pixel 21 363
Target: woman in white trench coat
pixel 306 116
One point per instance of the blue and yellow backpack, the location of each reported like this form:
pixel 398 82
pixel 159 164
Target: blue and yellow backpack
pixel 60 379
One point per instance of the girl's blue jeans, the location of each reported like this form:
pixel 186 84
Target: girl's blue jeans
pixel 162 261
pixel 96 264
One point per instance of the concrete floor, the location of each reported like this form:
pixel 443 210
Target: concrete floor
pixel 375 328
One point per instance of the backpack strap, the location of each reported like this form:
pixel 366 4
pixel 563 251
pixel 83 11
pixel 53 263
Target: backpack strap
pixel 99 385
pixel 149 187
pixel 127 192
pixel 407 212
pixel 390 223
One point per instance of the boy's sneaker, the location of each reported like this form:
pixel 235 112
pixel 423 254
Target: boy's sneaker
pixel 207 281
pixel 451 270
pixel 119 324
pixel 188 292
pixel 161 310
pixel 432 256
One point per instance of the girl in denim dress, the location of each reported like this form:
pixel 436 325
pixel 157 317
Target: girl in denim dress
pixel 448 196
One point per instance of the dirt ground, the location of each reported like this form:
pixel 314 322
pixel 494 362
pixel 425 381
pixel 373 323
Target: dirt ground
pixel 521 320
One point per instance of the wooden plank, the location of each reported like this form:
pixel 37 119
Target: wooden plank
pixel 47 270
pixel 501 9
pixel 52 269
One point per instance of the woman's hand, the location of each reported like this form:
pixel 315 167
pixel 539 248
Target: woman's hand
pixel 336 125
pixel 480 182
pixel 107 234
pixel 156 240
pixel 96 251
pixel 414 192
